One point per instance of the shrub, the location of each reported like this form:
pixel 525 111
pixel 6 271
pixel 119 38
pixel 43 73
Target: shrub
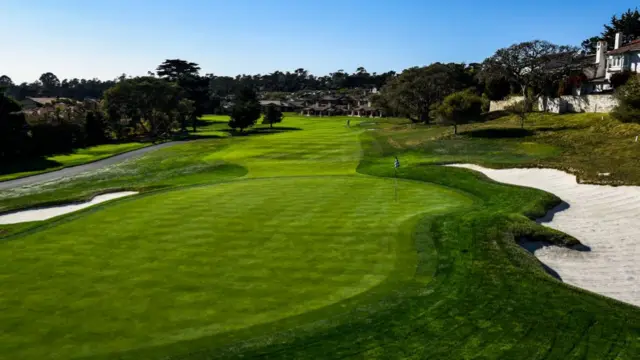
pixel 628 109
pixel 620 79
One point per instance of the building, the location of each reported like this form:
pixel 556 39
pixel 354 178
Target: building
pixel 284 106
pixel 330 105
pixel 623 57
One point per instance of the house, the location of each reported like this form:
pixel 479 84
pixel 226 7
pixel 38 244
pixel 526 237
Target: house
pixel 329 105
pixel 623 57
pixel 284 106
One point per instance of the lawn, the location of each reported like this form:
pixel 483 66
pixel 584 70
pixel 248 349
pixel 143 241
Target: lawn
pixel 303 242
pixel 78 157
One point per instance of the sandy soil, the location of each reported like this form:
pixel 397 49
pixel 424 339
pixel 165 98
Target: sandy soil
pixel 604 218
pixel 51 212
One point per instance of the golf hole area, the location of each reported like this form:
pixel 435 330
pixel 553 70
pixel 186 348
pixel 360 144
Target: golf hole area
pixel 205 260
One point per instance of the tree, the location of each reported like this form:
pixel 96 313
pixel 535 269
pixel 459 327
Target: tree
pixel 14 136
pixel 246 109
pixel 146 103
pixel 5 81
pixel 416 90
pixel 95 128
pixel 272 115
pixel 628 109
pixel 50 83
pixel 186 111
pixel 589 46
pixel 628 24
pixel 174 69
pixel 459 108
pixel 533 66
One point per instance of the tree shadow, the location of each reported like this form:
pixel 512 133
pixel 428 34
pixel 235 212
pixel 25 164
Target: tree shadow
pixel 495 115
pixel 259 131
pixel 498 133
pixel 196 136
pixel 557 128
pixel 201 122
pixel 28 164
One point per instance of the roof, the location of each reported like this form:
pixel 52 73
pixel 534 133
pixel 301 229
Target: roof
pixel 330 98
pixel 42 100
pixel 630 47
pixel 366 108
pixel 279 103
pixel 270 102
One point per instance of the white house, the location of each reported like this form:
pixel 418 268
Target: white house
pixel 623 57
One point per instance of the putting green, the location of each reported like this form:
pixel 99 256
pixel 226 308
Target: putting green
pixel 134 274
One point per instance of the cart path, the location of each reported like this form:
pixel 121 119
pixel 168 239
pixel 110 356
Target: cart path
pixel 79 169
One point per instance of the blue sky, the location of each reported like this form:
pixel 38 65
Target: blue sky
pixel 103 39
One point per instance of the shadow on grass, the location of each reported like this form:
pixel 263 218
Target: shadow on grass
pixel 548 217
pixel 258 131
pixel 498 133
pixel 29 164
pixel 201 122
pixel 558 128
pixel 197 136
pixel 495 115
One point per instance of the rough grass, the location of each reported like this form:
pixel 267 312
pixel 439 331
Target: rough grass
pixel 56 162
pixel 587 145
pixel 462 289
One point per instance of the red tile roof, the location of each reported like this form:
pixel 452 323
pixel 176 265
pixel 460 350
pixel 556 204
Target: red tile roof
pixel 632 46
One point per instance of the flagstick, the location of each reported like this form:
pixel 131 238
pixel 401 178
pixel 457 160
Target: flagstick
pixel 395 186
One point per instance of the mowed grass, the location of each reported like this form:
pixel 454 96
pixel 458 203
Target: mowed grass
pixel 238 254
pixel 56 162
pixel 294 244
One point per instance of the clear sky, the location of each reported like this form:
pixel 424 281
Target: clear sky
pixel 105 38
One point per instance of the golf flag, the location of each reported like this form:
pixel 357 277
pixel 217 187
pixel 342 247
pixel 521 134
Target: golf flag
pixel 396 163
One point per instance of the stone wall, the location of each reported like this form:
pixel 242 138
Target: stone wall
pixel 564 104
pixel 502 104
pixel 576 104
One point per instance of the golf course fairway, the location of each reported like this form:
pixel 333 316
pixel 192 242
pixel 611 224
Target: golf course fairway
pixel 239 254
pixel 298 242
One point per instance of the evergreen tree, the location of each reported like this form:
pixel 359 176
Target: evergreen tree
pixel 246 109
pixel 272 115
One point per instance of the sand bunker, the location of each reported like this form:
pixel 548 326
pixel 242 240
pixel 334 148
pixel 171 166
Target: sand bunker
pixel 51 212
pixel 604 218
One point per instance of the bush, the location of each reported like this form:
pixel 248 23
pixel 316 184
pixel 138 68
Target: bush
pixel 628 109
pixel 620 79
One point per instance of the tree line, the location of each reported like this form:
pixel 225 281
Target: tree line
pixel 173 97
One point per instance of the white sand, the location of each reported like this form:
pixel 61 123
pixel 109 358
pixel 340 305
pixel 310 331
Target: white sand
pixel 605 218
pixel 51 212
